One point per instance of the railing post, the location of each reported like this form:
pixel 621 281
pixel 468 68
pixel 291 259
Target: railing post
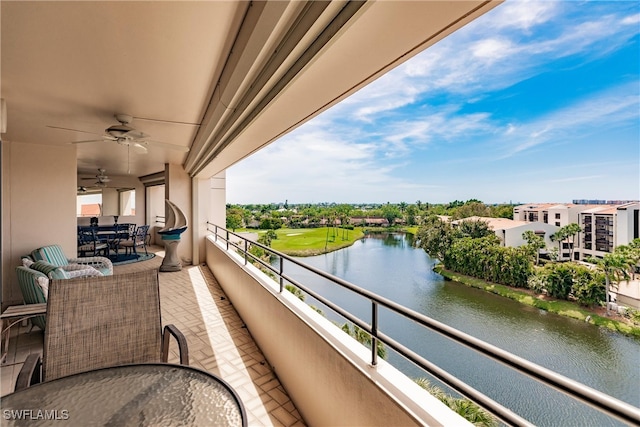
pixel 374 333
pixel 280 275
pixel 245 251
pixel 215 232
pixel 227 238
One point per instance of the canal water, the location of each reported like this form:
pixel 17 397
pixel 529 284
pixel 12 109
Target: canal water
pixel 390 266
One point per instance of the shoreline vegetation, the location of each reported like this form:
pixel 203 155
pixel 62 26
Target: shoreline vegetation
pixel 303 242
pixel 543 302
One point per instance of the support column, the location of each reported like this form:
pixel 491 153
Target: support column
pixel 177 189
pixel 209 205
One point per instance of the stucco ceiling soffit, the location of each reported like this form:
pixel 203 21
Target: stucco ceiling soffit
pixel 323 24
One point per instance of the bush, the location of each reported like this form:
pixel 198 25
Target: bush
pixel 569 280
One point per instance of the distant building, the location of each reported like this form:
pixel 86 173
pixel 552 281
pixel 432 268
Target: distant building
pixel 604 226
pixel 369 221
pixel 92 209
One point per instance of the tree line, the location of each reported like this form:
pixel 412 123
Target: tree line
pixel 473 249
pixel 274 216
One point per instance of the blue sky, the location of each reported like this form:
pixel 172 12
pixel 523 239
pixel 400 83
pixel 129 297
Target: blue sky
pixel 532 102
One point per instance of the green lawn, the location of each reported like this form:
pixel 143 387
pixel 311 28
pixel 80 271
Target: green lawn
pixel 313 241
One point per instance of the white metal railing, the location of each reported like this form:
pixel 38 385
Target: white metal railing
pixel 591 397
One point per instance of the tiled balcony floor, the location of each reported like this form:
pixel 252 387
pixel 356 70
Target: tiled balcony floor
pixel 218 342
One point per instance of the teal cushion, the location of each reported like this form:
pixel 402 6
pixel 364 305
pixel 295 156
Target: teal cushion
pixel 52 271
pixel 53 254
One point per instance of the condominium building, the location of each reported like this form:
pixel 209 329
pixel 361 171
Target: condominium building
pixel 604 227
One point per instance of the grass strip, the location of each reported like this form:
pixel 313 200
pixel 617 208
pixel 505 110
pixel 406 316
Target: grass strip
pixel 561 307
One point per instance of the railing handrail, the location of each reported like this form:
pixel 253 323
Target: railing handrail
pixel 590 396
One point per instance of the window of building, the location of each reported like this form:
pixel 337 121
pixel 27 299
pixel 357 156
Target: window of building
pixel 557 216
pixel 557 223
pixel 89 205
pixel 127 202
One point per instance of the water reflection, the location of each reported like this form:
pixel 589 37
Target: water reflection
pixel 388 265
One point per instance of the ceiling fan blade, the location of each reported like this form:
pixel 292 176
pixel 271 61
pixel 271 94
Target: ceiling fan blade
pixel 73 130
pixel 135 134
pixel 140 148
pixel 168 145
pixel 84 142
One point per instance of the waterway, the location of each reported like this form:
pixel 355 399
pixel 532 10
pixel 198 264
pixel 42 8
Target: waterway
pixel 390 266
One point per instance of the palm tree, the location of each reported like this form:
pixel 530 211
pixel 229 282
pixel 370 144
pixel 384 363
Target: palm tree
pixel 614 266
pixel 534 243
pixel 559 236
pixel 570 231
pixel 463 407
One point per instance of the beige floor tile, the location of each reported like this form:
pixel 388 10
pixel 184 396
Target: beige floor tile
pixel 218 342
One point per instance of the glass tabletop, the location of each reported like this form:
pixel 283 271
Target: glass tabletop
pixel 131 395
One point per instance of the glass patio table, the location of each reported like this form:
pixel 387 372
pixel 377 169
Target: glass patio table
pixel 155 394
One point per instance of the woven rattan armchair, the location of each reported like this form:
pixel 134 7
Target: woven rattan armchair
pixel 99 322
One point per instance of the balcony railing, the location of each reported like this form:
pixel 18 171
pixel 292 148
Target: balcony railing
pixel 591 397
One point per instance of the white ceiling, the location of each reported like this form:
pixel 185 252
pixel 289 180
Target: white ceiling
pixel 76 64
pixel 171 65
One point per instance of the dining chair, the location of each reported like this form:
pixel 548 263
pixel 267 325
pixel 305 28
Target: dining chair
pixel 101 322
pixel 139 239
pixel 88 243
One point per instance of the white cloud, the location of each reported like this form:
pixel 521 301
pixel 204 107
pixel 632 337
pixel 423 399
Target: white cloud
pixel 491 53
pixel 315 165
pixel 618 105
pixel 524 15
pixel 631 20
pixel 359 149
pixel 493 49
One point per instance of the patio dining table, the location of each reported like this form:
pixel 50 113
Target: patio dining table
pixel 154 394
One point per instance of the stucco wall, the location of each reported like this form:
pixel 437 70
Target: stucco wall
pixel 326 373
pixel 39 205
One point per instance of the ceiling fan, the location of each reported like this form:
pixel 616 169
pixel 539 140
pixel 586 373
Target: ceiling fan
pixel 124 134
pixel 101 179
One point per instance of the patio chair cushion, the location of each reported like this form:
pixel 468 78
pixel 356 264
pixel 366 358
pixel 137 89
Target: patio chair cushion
pixel 34 286
pixel 52 254
pixel 52 271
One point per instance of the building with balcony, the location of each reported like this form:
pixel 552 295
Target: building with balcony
pixel 604 226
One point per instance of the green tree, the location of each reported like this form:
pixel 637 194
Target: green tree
pixel 571 230
pixel 435 237
pixel 412 213
pixel 474 229
pixel 464 407
pixel 364 338
pixel 559 236
pixel 234 219
pixel 471 208
pixel 614 267
pixel 390 213
pixel 534 244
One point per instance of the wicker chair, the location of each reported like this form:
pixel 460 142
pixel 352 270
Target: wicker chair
pixel 100 322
